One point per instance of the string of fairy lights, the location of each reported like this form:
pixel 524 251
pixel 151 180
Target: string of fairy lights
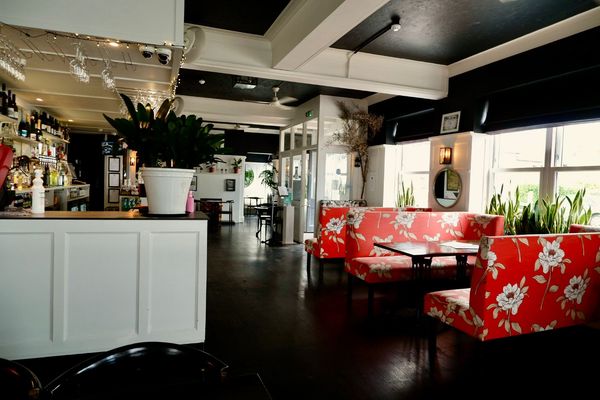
pixel 13 60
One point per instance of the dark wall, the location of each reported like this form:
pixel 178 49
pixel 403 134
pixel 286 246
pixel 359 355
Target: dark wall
pixel 552 84
pixel 85 153
pixel 241 143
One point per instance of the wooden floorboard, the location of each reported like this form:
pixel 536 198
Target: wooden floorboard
pixel 263 316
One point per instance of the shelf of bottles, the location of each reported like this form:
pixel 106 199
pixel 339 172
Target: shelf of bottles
pixel 41 132
pixel 38 141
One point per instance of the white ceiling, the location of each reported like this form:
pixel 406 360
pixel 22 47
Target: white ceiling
pixel 47 74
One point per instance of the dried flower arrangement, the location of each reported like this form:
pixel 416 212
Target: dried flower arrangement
pixel 357 128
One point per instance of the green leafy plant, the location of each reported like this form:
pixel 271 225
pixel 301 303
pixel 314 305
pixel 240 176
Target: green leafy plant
pixel 540 217
pixel 509 207
pixel 236 163
pixel 269 178
pixel 164 139
pixel 405 196
pixel 248 177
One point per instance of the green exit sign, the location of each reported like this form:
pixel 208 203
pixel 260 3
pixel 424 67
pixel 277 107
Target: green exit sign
pixel 309 114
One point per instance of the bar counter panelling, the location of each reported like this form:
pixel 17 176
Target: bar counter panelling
pixel 79 282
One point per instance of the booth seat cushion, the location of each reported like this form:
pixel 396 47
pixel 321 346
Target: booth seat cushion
pixel 311 246
pixel 381 269
pixel 452 307
pixel 530 283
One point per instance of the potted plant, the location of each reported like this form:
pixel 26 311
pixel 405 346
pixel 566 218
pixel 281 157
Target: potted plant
pixel 169 148
pixel 237 164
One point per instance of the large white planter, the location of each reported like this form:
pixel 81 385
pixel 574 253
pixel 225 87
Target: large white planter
pixel 167 189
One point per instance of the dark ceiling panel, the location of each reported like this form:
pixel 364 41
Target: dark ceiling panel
pixel 442 31
pixel 235 15
pixel 220 86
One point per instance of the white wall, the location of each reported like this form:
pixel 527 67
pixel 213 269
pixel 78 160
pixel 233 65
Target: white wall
pixel 212 185
pixel 469 152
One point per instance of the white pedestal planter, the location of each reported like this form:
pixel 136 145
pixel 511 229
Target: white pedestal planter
pixel 167 189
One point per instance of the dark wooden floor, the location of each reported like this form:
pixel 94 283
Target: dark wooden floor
pixel 264 316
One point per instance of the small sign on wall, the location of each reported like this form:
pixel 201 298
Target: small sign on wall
pixel 450 122
pixel 230 185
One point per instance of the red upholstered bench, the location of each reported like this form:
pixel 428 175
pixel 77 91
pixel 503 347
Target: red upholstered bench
pixel 374 266
pixel 524 284
pixel 331 232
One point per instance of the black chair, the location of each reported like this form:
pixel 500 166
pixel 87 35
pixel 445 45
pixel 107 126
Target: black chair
pixel 17 382
pixel 141 370
pixel 265 218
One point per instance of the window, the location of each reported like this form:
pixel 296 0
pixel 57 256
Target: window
pixel 544 162
pixel 414 169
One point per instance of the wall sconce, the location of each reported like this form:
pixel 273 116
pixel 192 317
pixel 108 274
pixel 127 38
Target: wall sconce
pixel 132 161
pixel 446 155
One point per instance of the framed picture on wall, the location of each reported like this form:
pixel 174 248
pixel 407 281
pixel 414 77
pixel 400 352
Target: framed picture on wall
pixel 450 122
pixel 114 164
pixel 230 185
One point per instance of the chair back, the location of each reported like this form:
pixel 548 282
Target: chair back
pixel 17 382
pixel 141 370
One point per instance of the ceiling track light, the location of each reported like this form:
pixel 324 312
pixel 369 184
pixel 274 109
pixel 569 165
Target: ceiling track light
pixel 393 26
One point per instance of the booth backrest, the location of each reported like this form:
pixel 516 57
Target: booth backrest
pixel 576 228
pixel 332 228
pixel 368 227
pixel 531 283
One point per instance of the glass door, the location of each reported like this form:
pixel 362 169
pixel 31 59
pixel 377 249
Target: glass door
pixel 311 186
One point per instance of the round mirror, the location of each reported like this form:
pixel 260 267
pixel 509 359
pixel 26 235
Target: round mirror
pixel 447 187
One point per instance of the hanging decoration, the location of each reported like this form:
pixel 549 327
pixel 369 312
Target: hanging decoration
pixel 77 65
pixel 12 59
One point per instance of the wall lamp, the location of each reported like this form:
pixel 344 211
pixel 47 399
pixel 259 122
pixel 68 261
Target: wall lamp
pixel 446 155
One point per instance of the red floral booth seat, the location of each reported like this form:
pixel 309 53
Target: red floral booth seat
pixel 524 284
pixel 330 242
pixel 374 265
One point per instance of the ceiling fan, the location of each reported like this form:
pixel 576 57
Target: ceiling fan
pixel 276 101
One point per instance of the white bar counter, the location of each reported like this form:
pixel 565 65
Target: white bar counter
pixel 79 282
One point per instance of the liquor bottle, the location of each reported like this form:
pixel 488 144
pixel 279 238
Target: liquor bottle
pixel 4 109
pixel 10 111
pixel 46 176
pixel 15 107
pixel 4 105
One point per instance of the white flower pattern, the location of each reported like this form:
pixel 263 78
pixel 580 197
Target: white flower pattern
pixel 510 298
pixel 576 289
pixel 335 225
pixel 551 255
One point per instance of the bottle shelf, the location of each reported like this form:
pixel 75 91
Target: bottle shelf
pixel 4 118
pixel 54 138
pixel 21 139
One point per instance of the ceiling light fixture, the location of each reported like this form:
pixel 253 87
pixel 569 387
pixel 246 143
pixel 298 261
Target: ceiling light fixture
pixel 393 26
pixel 39 99
pixel 202 81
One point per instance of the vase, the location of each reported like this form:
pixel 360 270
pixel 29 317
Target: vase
pixel 167 189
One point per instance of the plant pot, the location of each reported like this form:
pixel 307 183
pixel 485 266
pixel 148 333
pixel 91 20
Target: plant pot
pixel 167 189
pixel 236 170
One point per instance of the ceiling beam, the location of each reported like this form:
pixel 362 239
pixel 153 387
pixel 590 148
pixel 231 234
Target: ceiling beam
pixel 242 54
pixel 305 28
pixel 560 30
pixel 236 111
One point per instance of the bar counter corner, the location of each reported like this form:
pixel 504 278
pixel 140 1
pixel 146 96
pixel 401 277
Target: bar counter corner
pixel 80 282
